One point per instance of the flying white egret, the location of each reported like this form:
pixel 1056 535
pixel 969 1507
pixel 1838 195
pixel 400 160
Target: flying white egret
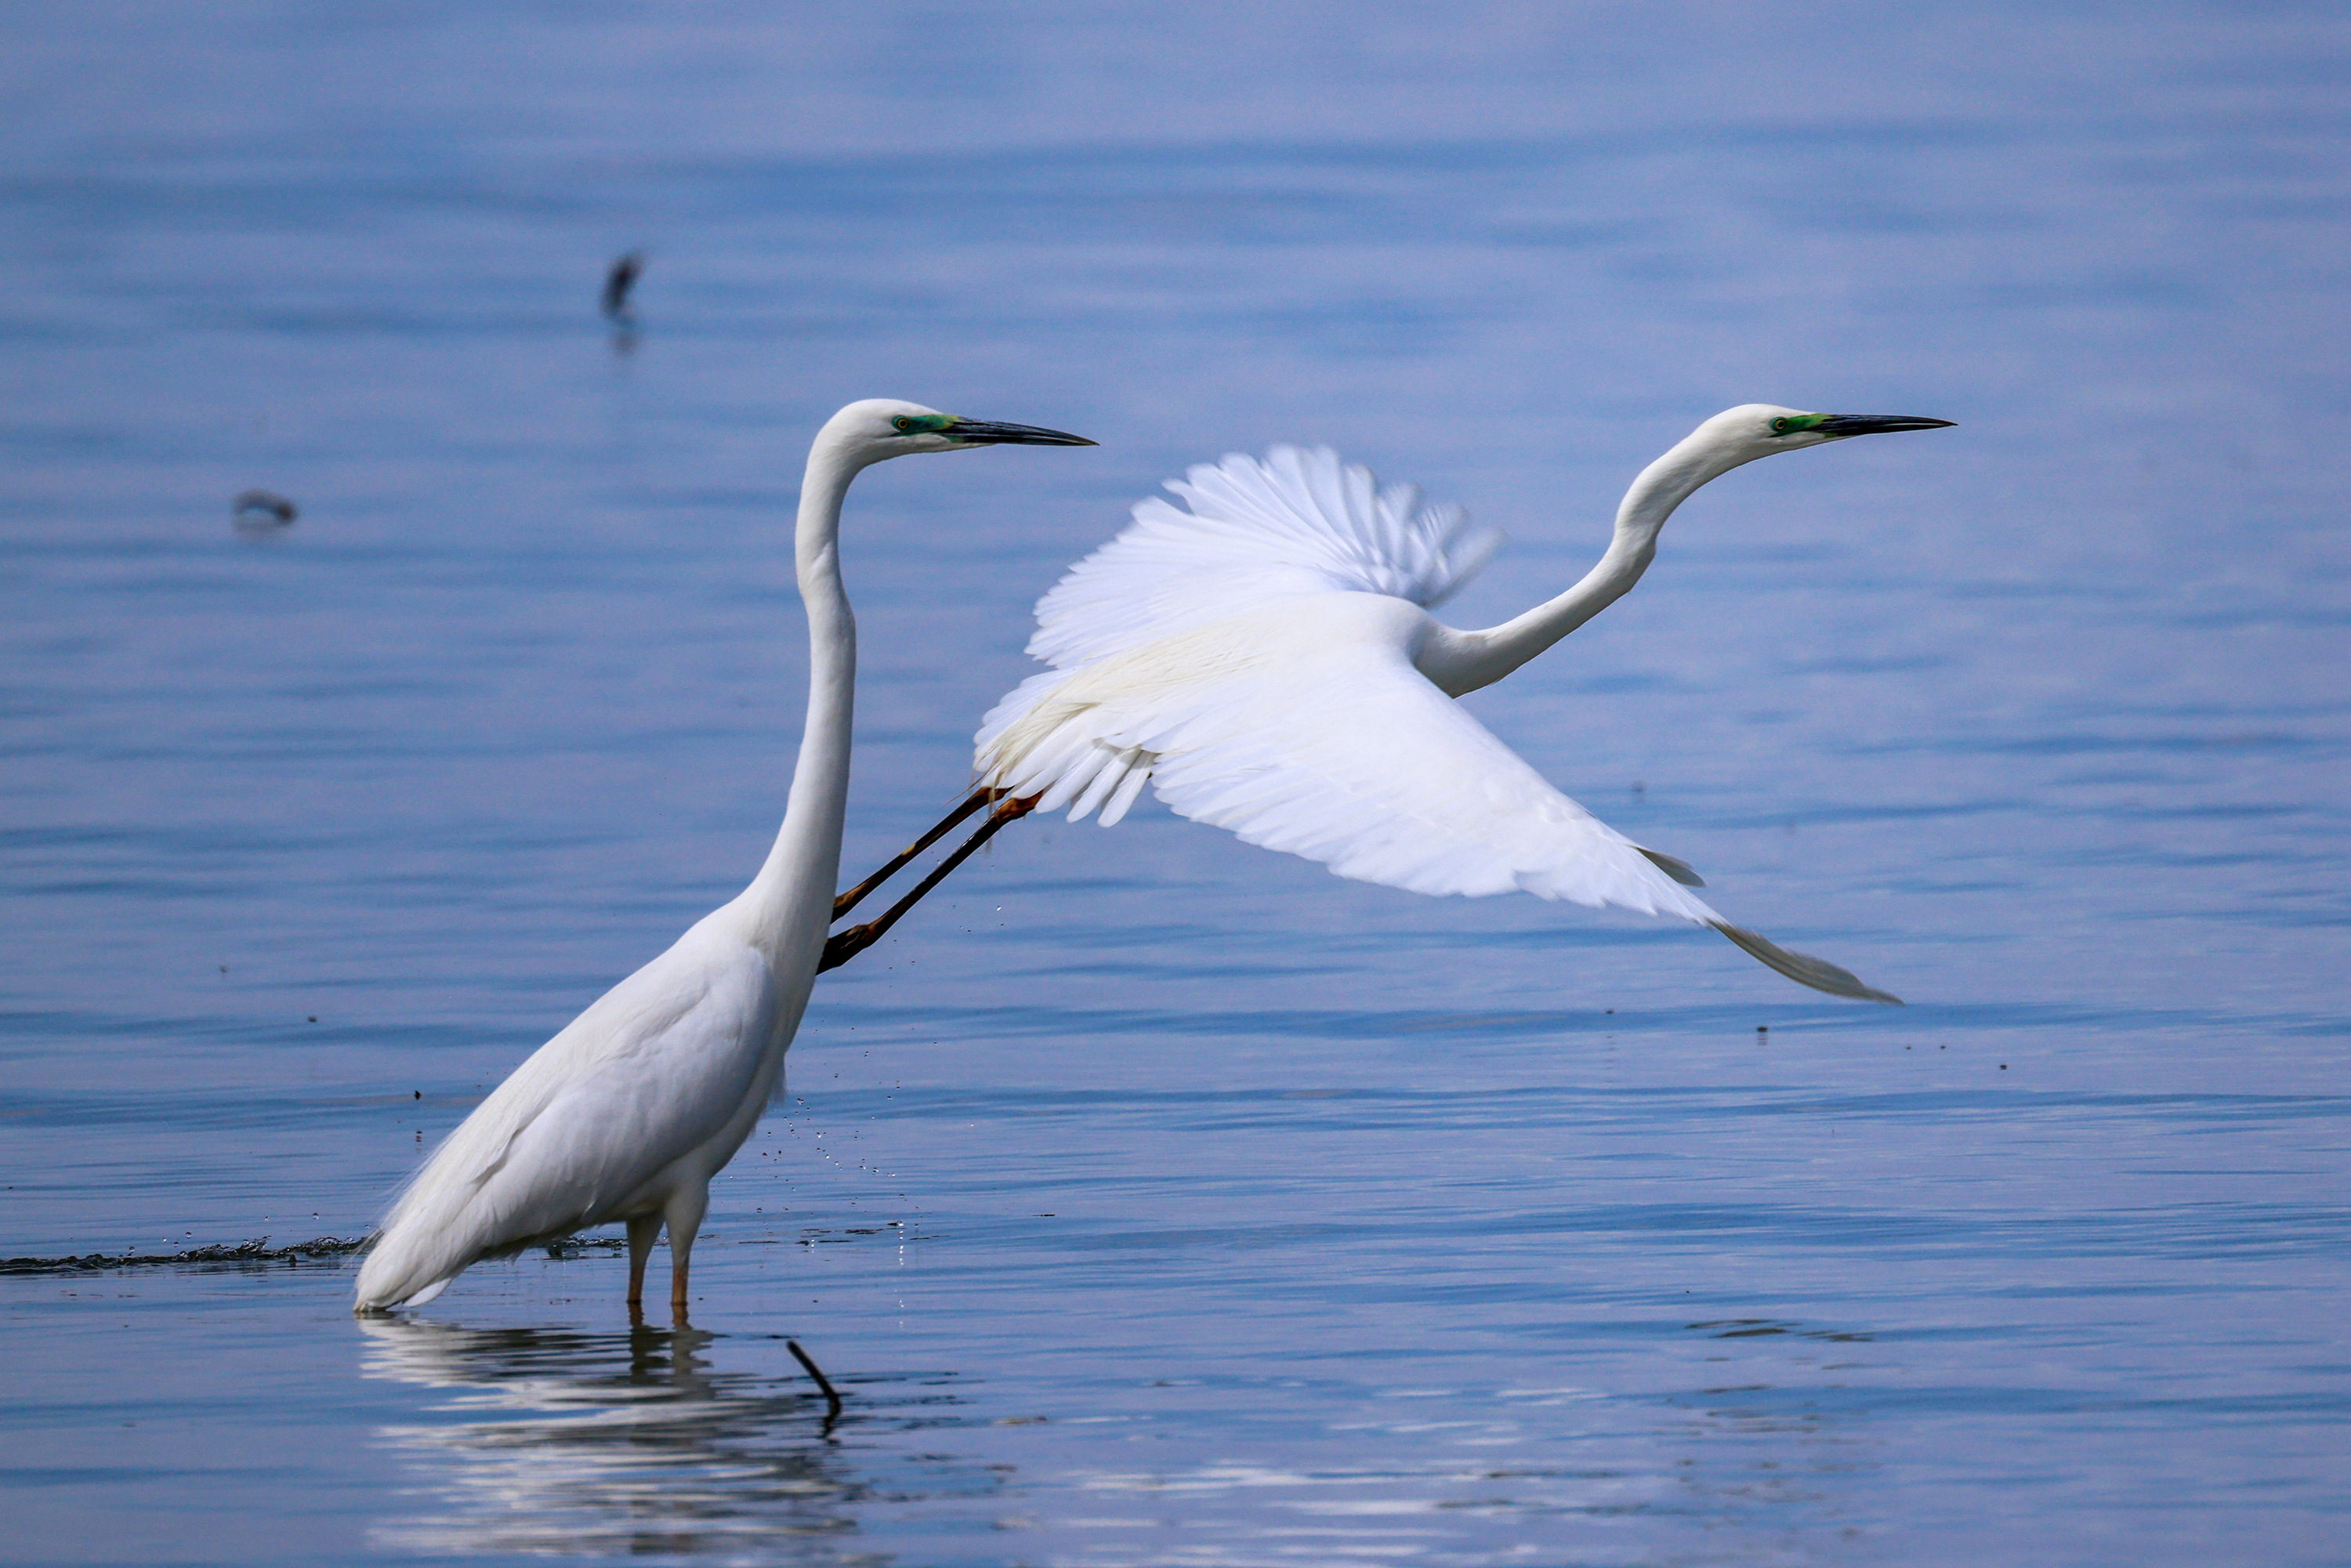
pixel 631 1110
pixel 1267 660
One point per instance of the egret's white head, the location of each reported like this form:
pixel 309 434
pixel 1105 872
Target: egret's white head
pixel 1755 430
pixel 884 427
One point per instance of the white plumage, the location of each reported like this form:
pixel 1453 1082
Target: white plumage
pixel 1255 533
pixel 629 1111
pixel 1266 660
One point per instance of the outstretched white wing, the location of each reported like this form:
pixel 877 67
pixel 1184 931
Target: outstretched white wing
pixel 1298 522
pixel 1253 657
pixel 1305 728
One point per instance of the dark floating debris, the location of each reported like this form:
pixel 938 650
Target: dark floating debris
pixel 254 1251
pixel 261 511
pixel 580 1246
pixel 1754 1328
pixel 618 281
pixel 831 1399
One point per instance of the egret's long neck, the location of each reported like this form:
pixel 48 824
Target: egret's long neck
pixel 789 902
pixel 1465 660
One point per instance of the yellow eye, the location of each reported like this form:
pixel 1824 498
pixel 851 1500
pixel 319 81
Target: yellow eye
pixel 1780 427
pixel 904 422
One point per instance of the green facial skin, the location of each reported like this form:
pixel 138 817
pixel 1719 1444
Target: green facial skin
pixel 922 423
pixel 1789 423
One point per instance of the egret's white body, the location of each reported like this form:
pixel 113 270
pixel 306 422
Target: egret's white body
pixel 1266 662
pixel 629 1111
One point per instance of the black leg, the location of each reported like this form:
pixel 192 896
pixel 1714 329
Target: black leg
pixel 848 901
pixel 843 945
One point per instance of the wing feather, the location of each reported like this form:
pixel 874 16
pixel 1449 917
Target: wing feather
pixel 649 1072
pixel 1352 759
pixel 1251 657
pixel 1298 522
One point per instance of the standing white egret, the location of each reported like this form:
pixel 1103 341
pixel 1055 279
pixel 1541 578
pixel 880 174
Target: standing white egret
pixel 631 1110
pixel 1268 660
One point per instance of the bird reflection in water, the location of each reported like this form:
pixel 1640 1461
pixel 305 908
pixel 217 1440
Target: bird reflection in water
pixel 556 1441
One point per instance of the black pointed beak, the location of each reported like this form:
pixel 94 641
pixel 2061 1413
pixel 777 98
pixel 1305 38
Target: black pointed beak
pixel 987 433
pixel 1877 424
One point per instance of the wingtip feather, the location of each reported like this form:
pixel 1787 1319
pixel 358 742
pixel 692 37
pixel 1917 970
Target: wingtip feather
pixel 1803 968
pixel 1681 871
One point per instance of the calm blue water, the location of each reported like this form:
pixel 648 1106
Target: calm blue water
pixel 1155 1200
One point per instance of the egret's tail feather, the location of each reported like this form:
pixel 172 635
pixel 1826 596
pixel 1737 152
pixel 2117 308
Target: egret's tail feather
pixel 393 1276
pixel 427 1295
pixel 410 1266
pixel 1802 967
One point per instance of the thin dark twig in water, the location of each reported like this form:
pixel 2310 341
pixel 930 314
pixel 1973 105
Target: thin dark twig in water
pixel 831 1399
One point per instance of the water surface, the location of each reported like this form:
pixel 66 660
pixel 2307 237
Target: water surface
pixel 1152 1200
